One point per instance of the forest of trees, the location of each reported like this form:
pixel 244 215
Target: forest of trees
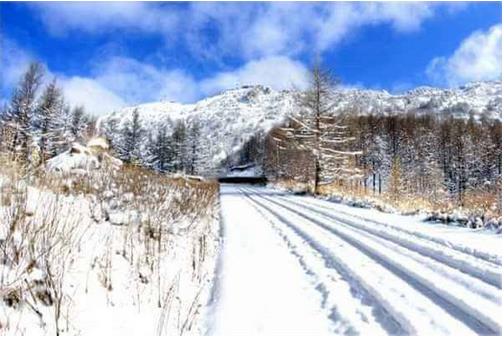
pixel 171 147
pixel 37 123
pixel 436 158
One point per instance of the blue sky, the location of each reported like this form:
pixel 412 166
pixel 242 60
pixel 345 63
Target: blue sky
pixel 107 55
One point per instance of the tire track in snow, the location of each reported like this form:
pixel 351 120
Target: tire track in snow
pixel 470 283
pixel 262 288
pixel 481 322
pixel 348 321
pixel 328 205
pixel 468 264
pixel 415 313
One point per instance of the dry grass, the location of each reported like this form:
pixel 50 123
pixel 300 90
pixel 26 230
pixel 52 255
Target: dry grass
pixel 37 236
pixel 488 204
pixel 39 233
pixel 481 203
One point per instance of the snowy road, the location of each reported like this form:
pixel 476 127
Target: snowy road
pixel 299 265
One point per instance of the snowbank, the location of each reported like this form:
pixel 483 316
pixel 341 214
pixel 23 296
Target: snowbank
pixel 80 159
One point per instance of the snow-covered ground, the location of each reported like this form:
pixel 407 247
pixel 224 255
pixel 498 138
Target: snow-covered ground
pixel 299 265
pixel 69 267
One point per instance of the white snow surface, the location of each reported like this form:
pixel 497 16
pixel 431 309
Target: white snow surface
pixel 300 265
pixel 82 159
pixel 77 157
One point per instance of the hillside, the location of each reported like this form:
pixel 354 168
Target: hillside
pixel 232 117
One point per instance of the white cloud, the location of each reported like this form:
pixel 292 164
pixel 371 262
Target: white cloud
pixel 132 82
pixel 279 72
pixel 282 28
pixel 78 90
pixel 119 81
pixel 267 36
pixel 112 84
pixel 89 93
pixel 15 61
pixel 246 30
pixel 342 19
pixel 140 82
pixel 479 57
pixel 404 17
pixel 62 18
pixel 277 29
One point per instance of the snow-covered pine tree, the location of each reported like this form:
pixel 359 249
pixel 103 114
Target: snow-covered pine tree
pixel 148 155
pixel 78 123
pixel 48 121
pixel 161 150
pixel 315 128
pixel 112 135
pixel 132 136
pixel 20 112
pixel 380 162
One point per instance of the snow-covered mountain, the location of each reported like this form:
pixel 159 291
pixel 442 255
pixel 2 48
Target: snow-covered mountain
pixel 476 98
pixel 230 118
pixel 227 120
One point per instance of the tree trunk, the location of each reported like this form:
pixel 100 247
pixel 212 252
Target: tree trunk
pixel 317 177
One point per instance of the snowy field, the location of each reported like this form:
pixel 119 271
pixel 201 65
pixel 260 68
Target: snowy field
pixel 299 265
pixel 112 261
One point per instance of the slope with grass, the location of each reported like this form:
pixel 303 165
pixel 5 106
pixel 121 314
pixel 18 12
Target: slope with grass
pixel 91 246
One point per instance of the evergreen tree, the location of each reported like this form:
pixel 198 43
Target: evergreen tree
pixel 161 150
pixel 48 121
pixel 132 134
pixel 193 148
pixel 113 135
pixel 204 162
pixel 78 123
pixel 22 106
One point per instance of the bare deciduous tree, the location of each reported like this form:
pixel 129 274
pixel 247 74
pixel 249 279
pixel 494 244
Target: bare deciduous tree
pixel 315 127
